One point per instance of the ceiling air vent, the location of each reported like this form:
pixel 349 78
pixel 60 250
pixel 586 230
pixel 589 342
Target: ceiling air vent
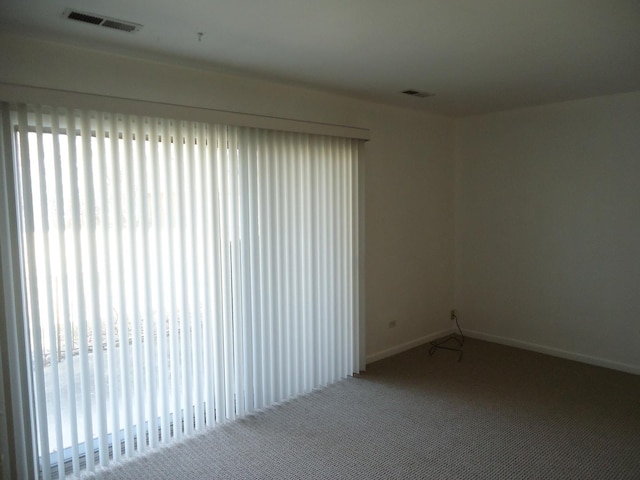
pixel 100 20
pixel 416 93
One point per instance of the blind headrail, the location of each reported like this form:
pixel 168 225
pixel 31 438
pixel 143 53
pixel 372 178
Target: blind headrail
pixel 89 101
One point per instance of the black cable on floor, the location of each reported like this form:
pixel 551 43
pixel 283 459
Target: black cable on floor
pixel 440 343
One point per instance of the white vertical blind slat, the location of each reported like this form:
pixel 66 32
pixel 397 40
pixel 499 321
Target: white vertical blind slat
pixel 198 274
pixel 354 267
pixel 266 232
pixel 105 256
pixel 335 254
pixel 157 147
pixel 235 228
pixel 194 261
pixel 191 353
pixel 343 246
pixel 186 414
pixel 170 145
pixel 289 199
pixel 48 293
pixel 338 285
pixel 64 291
pixel 348 275
pixel 93 289
pixel 307 215
pixel 246 267
pixel 81 311
pixel 316 265
pixel 285 265
pixel 254 265
pixel 27 173
pixel 134 274
pixel 354 270
pixel 144 173
pixel 296 296
pixel 208 281
pixel 347 278
pixel 324 254
pixel 121 266
pixel 278 271
pixel 225 255
pixel 215 275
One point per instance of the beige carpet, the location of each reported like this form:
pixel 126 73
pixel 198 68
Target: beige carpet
pixel 502 413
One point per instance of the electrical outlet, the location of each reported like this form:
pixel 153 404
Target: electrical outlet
pixel 392 324
pixel 453 315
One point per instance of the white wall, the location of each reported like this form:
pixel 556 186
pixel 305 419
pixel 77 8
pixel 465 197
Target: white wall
pixel 409 231
pixel 548 228
pixel 409 162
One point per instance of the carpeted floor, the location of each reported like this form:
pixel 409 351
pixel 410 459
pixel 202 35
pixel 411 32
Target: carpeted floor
pixel 501 413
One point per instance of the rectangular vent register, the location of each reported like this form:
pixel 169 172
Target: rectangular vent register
pixel 101 20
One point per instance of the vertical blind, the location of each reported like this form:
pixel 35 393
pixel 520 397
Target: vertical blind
pixel 177 275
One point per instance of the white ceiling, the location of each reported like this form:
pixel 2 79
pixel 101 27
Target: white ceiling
pixel 475 55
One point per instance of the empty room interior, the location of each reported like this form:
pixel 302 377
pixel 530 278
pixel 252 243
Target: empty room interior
pixel 385 240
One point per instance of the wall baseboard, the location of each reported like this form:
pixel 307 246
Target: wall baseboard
pixel 407 346
pixel 556 352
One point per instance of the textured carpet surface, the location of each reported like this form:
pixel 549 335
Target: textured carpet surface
pixel 501 413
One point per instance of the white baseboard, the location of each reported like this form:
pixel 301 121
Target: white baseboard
pixel 407 346
pixel 556 352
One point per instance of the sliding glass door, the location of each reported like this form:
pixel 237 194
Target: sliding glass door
pixel 176 275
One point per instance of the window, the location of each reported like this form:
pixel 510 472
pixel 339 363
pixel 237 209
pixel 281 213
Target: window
pixel 176 274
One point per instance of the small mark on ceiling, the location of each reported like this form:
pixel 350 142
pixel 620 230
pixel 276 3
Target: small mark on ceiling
pixel 417 93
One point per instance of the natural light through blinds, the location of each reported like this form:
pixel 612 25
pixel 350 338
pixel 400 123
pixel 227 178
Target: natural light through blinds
pixel 178 274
